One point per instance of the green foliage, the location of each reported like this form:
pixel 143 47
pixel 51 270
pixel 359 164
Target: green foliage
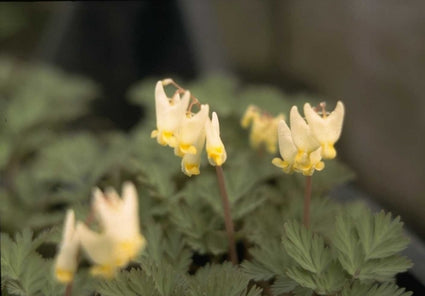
pixel 326 264
pixel 386 289
pixel 306 248
pixel 380 236
pixel 368 245
pixel 224 279
pixel 131 283
pixel 23 269
pixel 167 246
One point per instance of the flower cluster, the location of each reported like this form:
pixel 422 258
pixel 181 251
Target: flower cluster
pixel 185 131
pixel 114 247
pixel 303 146
pixel 263 128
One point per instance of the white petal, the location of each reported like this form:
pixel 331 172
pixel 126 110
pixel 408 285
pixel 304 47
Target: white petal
pixel 174 114
pixel 212 130
pixel 327 129
pixel 130 207
pixel 66 258
pixel 287 148
pixel 97 246
pixel 100 207
pixel 69 226
pixel 191 127
pixel 301 132
pixel 335 120
pixel 161 101
pixel 215 148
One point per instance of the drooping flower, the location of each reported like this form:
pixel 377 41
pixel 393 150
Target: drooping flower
pixel 169 113
pixel 306 144
pixel 326 128
pixel 263 129
pixel 300 150
pixel 120 239
pixel 190 129
pixel 215 148
pixel 66 261
pixel 287 149
pixel 191 162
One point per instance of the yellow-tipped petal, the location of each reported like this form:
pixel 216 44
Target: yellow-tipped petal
pixel 326 129
pixel 301 132
pixel 287 148
pixel 190 169
pixel 66 258
pixel 328 151
pixel 187 148
pixel 154 134
pixel 216 155
pixel 284 165
pixel 64 276
pixel 105 271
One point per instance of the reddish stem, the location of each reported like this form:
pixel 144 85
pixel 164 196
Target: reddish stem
pixel 307 200
pixel 227 217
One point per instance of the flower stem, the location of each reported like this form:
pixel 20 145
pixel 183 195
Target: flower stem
pixel 307 199
pixel 68 291
pixel 227 217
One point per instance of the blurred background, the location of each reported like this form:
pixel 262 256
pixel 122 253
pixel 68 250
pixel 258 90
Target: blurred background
pixel 370 54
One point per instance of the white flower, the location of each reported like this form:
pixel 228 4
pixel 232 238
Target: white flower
pixel 66 259
pixel 304 140
pixel 191 162
pixel 120 240
pixel 169 113
pixel 264 128
pixel 300 150
pixel 215 148
pixel 191 128
pixel 287 149
pixel 326 128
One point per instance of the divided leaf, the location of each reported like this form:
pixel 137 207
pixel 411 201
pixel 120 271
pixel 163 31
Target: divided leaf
pixel 381 237
pixel 306 248
pixel 219 280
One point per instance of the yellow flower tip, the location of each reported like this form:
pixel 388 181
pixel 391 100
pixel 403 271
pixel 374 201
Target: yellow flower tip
pixel 154 134
pixel 216 155
pixel 190 169
pixel 301 158
pixel 128 250
pixel 64 276
pixel 328 151
pixel 106 271
pixel 186 149
pixel 166 137
pixel 284 165
pixel 308 172
pixel 278 162
pixel 319 166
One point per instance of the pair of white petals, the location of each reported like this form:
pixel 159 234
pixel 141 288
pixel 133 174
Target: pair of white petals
pixel 304 144
pixel 119 242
